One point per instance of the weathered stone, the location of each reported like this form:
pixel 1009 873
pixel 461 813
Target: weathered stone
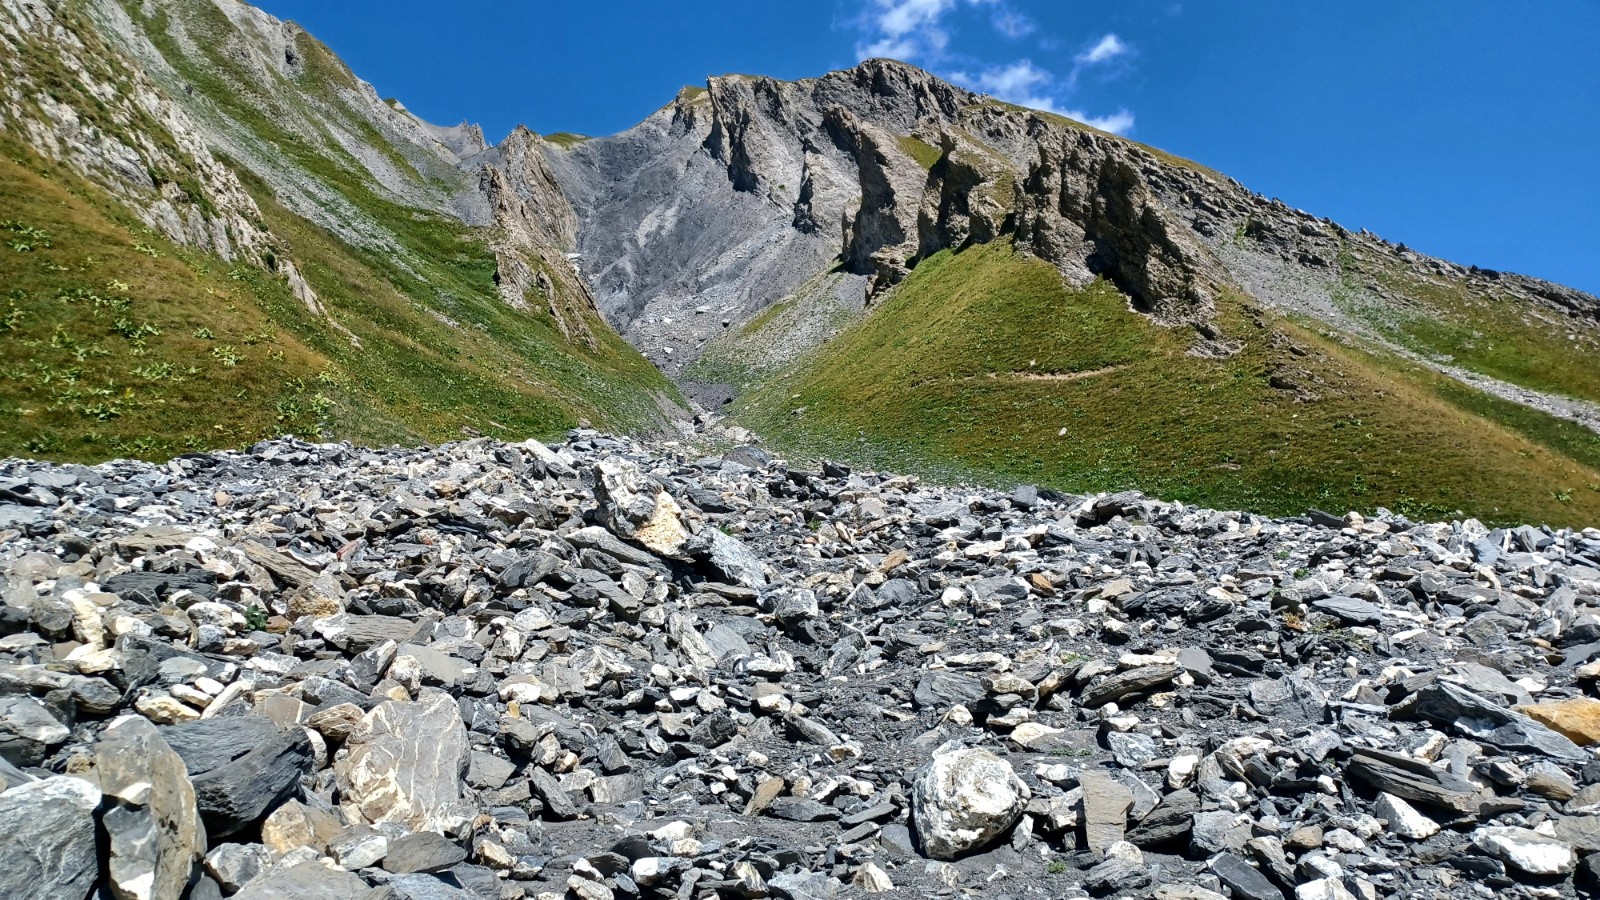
pixel 1415 780
pixel 423 851
pixel 47 840
pixel 1106 802
pixel 233 866
pixel 294 825
pixel 27 731
pixel 964 799
pixel 156 837
pixel 663 533
pixel 405 764
pixel 1134 681
pixel 1243 879
pixel 305 881
pixel 1404 819
pixel 1451 705
pixel 359 847
pixel 241 767
pixel 1528 851
pixel 1578 718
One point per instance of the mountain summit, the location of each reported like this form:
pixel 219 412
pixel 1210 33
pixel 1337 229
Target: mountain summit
pixel 212 222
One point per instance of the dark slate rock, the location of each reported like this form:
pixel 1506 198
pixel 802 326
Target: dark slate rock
pixel 242 767
pixel 1244 880
pixel 423 851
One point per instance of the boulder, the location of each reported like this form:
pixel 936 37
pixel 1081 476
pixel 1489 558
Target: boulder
pixel 27 731
pixel 241 766
pixel 155 836
pixel 964 799
pixel 406 764
pixel 1577 718
pixel 47 840
pixel 1526 850
pixel 304 881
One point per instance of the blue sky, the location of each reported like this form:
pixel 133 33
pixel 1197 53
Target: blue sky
pixel 1469 129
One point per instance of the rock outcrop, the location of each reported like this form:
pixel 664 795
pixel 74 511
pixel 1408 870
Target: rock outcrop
pixel 740 195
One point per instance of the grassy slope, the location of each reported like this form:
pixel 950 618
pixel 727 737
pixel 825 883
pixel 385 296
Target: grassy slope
pixel 911 386
pixel 1452 321
pixel 117 343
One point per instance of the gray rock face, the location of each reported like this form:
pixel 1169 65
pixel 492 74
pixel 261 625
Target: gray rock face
pixel 963 800
pixel 47 840
pixel 406 764
pixel 304 881
pixel 27 731
pixel 753 189
pixel 423 851
pixel 241 767
pixel 156 837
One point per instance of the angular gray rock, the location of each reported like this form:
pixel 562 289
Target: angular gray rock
pixel 28 732
pixel 153 824
pixel 304 881
pixel 241 767
pixel 1106 802
pixel 47 840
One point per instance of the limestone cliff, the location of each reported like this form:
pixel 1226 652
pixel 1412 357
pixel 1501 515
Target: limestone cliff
pixel 739 195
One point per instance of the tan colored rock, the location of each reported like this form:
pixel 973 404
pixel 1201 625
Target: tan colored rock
pixel 872 880
pixel 663 533
pixel 164 710
pixel 1577 718
pixel 322 598
pixel 294 825
pixel 336 722
pixel 156 839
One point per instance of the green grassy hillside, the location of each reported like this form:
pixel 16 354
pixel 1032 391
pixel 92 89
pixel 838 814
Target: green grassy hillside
pixel 1452 321
pixel 116 342
pixel 984 365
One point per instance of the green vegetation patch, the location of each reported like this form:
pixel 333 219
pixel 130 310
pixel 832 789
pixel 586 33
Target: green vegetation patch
pixel 1503 337
pixel 983 365
pixel 566 140
pixel 920 150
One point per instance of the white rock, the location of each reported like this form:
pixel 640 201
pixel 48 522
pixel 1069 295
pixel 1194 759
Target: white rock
pixel 964 799
pixel 872 880
pixel 1323 889
pixel 1181 769
pixel 1527 850
pixel 1404 819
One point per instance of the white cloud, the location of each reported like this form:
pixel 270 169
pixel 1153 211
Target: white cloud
pixel 905 29
pixel 897 18
pixel 916 31
pixel 1018 78
pixel 1013 24
pixel 910 29
pixel 1106 49
pixel 1025 84
pixel 1119 122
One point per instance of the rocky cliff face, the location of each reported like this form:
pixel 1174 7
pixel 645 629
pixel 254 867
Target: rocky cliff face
pixel 79 101
pixel 732 198
pixel 129 100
